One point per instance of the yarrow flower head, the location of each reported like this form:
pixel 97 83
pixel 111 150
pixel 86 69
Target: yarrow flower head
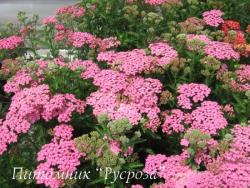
pixel 49 20
pixel 155 2
pixel 208 118
pixel 221 51
pixel 75 11
pixel 10 43
pixel 164 52
pixel 131 62
pixel 174 122
pixel 213 17
pixel 60 157
pixel 193 92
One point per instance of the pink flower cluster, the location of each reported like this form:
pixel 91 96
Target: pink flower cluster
pixel 174 122
pixel 30 105
pixel 62 106
pixel 131 63
pixel 242 82
pixel 75 11
pixel 25 109
pixel 164 52
pixel 80 39
pixel 58 159
pixel 168 168
pixel 21 79
pixel 192 92
pixel 208 118
pixel 221 51
pixel 213 17
pixel 202 38
pixel 155 2
pixel 49 20
pixel 88 67
pixel 10 43
pixel 230 169
pixel 121 96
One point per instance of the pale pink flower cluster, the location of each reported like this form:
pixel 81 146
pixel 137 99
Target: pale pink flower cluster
pixel 208 118
pixel 131 62
pixel 221 51
pixel 192 93
pixel 155 2
pixel 49 20
pixel 213 17
pixel 115 147
pixel 164 52
pixel 137 186
pixel 121 96
pixel 10 43
pixel 58 158
pixel 75 11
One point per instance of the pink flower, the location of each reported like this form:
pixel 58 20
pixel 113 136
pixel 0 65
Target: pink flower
pixel 58 157
pixel 155 2
pixel 75 11
pixel 10 43
pixel 221 51
pixel 192 92
pixel 213 17
pixel 115 147
pixel 208 118
pixel 184 142
pixel 164 52
pixel 49 20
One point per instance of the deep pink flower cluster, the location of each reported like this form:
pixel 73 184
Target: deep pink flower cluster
pixel 164 52
pixel 213 17
pixel 208 118
pixel 58 159
pixel 221 51
pixel 10 43
pixel 192 92
pixel 121 96
pixel 75 11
